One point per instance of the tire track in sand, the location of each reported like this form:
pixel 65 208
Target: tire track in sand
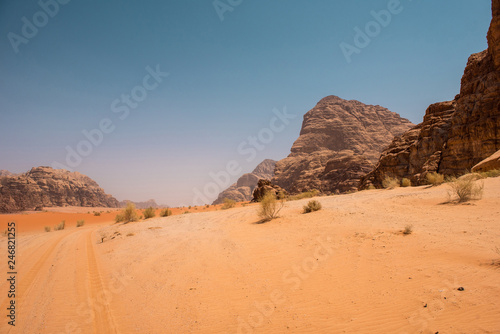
pixel 102 318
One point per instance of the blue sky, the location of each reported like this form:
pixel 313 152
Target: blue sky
pixel 225 78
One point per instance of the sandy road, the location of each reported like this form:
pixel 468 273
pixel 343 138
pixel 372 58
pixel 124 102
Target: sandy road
pixel 59 285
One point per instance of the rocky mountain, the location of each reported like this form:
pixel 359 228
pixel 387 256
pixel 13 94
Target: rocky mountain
pixel 340 141
pixel 243 189
pixel 141 205
pixel 455 135
pixel 47 187
pixel 4 172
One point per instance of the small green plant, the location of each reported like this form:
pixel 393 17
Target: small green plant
pixel 60 226
pixel 97 213
pixel 405 182
pixel 408 229
pixel 228 204
pixel 465 189
pixel 306 194
pixel 166 212
pixel 47 228
pixel 149 213
pixel 390 182
pixel 127 215
pixel 270 207
pixel 312 206
pixel 435 179
pixel 80 223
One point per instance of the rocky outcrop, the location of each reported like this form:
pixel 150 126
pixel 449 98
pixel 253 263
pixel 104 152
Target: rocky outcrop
pixel 339 142
pixel 140 205
pixel 4 172
pixel 264 187
pixel 490 163
pixel 47 187
pixel 454 136
pixel 242 190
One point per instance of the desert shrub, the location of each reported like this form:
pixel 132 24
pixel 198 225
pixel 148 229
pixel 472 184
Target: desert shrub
pixel 186 212
pixel 408 229
pixel 60 226
pixel 207 206
pixel 80 222
pixel 390 182
pixel 97 213
pixel 149 213
pixel 270 206
pixel 228 204
pixel 127 215
pixel 166 212
pixel 189 207
pixel 490 173
pixel 435 178
pixel 306 194
pixel 405 182
pixel 312 206
pixel 47 228
pixel 465 189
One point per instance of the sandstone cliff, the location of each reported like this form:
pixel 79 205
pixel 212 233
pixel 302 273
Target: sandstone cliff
pixel 456 135
pixel 340 141
pixel 47 187
pixel 243 189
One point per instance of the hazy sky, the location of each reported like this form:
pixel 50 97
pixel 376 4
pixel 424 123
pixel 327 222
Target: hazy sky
pixel 99 67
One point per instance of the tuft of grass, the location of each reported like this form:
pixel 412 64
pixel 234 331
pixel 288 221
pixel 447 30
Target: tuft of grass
pixel 47 228
pixel 312 206
pixel 165 212
pixel 60 226
pixel 405 182
pixel 390 182
pixel 435 179
pixel 228 204
pixel 127 215
pixel 408 230
pixel 490 173
pixel 80 223
pixel 306 194
pixel 465 189
pixel 270 207
pixel 97 213
pixel 149 213
pixel 186 212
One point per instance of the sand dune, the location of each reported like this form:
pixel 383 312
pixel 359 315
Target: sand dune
pixel 344 269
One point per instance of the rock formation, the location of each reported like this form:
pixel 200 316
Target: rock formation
pixel 243 189
pixel 264 187
pixel 47 187
pixel 456 135
pixel 340 141
pixel 490 163
pixel 140 205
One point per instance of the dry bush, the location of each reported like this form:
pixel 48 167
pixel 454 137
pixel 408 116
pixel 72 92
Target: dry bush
pixel 408 229
pixel 149 213
pixel 490 173
pixel 228 204
pixel 166 212
pixel 97 213
pixel 465 189
pixel 47 228
pixel 270 206
pixel 80 223
pixel 312 206
pixel 405 182
pixel 435 179
pixel 306 194
pixel 60 226
pixel 127 215
pixel 390 182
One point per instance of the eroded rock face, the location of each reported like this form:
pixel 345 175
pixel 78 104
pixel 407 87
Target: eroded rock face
pixel 454 136
pixel 242 190
pixel 339 142
pixel 47 187
pixel 490 163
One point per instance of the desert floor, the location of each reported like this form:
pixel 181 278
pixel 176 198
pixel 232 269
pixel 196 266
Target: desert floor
pixel 344 269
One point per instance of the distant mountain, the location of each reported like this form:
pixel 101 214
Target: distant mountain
pixel 4 172
pixel 340 141
pixel 141 205
pixel 454 135
pixel 48 187
pixel 242 190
